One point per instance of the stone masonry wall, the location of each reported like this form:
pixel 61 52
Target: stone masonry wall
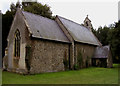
pixel 48 56
pixel 84 53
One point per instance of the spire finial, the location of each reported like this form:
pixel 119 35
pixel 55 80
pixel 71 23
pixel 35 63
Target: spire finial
pixel 87 15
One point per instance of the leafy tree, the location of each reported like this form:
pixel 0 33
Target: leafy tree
pixel 114 41
pixel 94 31
pixel 101 34
pixel 37 8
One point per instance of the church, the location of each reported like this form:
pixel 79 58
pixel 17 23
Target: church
pixel 37 44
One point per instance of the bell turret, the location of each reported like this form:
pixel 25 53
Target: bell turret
pixel 87 23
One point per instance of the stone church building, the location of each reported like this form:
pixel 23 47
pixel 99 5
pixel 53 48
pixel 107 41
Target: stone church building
pixel 37 44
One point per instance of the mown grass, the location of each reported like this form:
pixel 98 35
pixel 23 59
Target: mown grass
pixel 92 75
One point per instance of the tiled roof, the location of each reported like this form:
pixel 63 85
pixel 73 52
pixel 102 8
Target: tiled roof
pixel 45 28
pixel 102 52
pixel 79 32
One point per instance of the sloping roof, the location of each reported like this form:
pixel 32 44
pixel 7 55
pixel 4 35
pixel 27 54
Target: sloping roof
pixel 79 32
pixel 102 52
pixel 45 28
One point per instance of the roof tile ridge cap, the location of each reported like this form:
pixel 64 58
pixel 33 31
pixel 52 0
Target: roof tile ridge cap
pixel 26 23
pixel 38 15
pixel 69 20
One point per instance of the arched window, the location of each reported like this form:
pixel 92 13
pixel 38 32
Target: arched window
pixel 17 44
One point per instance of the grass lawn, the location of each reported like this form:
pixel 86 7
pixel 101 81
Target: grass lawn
pixel 92 75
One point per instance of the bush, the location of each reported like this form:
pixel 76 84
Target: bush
pixel 76 67
pixel 66 64
pixel 79 59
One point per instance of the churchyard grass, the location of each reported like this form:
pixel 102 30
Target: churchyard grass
pixel 92 75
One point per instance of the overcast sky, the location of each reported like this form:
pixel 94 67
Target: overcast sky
pixel 100 12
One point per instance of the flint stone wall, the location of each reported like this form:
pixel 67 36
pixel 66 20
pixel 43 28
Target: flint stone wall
pixel 86 51
pixel 47 56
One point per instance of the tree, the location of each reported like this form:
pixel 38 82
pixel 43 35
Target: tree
pixel 102 34
pixel 37 8
pixel 114 41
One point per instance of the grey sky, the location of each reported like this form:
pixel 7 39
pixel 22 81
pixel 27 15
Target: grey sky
pixel 101 12
pixel 119 10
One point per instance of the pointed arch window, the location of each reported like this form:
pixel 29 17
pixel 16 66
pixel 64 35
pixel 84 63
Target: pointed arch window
pixel 17 44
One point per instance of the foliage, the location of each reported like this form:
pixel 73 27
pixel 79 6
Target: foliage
pixel 76 66
pixel 87 61
pixel 93 75
pixel 79 61
pixel 37 8
pixel 114 41
pixel 65 61
pixel 66 64
pixel 102 35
